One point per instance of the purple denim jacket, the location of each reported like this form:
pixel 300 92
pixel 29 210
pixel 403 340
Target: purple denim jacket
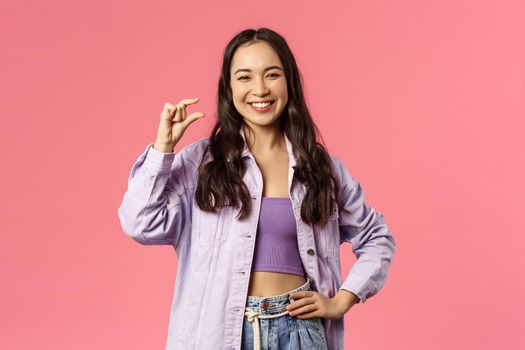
pixel 215 250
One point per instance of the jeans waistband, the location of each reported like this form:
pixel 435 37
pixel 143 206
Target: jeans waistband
pixel 275 304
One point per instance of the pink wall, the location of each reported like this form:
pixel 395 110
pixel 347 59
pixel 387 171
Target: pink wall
pixel 423 101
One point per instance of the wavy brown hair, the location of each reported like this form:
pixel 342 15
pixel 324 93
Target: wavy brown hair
pixel 220 180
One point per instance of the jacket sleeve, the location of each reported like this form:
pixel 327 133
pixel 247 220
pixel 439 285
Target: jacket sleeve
pixel 372 242
pixel 156 208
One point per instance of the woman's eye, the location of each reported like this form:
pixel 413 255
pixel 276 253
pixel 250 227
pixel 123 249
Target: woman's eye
pixel 245 76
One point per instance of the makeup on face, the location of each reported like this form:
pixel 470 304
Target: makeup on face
pixel 258 79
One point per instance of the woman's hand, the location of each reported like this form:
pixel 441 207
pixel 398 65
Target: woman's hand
pixel 173 123
pixel 313 304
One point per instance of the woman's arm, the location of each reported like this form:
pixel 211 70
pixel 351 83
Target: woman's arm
pixel 156 208
pixel 372 242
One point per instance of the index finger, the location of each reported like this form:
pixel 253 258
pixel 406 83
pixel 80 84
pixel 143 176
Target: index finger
pixel 303 294
pixel 187 101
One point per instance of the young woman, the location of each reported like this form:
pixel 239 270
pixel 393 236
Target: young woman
pixel 256 213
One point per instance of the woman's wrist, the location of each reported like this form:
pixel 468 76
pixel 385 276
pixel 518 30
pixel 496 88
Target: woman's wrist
pixel 163 147
pixel 346 299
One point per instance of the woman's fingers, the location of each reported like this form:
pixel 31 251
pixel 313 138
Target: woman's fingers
pixel 177 117
pixel 182 109
pixel 193 117
pixel 174 121
pixel 304 309
pixel 182 106
pixel 301 302
pixel 177 112
pixel 168 111
pixel 188 101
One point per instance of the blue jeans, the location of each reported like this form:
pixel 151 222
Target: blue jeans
pixel 277 329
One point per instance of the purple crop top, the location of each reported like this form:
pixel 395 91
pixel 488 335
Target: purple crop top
pixel 276 247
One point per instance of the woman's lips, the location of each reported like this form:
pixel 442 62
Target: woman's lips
pixel 265 109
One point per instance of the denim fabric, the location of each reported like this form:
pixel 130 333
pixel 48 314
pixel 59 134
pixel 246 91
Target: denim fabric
pixel 283 332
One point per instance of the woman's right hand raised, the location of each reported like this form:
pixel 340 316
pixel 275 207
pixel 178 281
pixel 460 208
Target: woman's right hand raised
pixel 173 123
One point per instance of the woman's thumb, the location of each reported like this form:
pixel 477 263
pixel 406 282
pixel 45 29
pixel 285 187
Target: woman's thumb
pixel 193 117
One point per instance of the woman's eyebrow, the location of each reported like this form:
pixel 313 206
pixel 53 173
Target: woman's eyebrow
pixel 249 70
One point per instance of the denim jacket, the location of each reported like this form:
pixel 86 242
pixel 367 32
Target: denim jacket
pixel 215 250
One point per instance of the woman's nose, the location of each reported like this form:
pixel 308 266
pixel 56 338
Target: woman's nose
pixel 260 87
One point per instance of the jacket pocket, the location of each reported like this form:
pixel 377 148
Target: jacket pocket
pixel 213 227
pixel 328 236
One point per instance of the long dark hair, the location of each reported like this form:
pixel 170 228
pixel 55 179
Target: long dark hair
pixel 220 180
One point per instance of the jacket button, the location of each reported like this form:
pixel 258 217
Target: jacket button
pixel 310 251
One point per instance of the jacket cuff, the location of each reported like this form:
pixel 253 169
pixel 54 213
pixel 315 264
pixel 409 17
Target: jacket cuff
pixel 158 161
pixel 360 286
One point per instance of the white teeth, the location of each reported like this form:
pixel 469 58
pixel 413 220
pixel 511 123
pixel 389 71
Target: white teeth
pixel 261 105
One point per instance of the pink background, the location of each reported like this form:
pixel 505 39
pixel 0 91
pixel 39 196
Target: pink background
pixel 422 100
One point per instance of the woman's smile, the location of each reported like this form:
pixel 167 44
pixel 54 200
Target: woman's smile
pixel 262 107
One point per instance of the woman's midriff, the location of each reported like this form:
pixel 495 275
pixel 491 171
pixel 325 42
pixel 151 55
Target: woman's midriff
pixel 266 284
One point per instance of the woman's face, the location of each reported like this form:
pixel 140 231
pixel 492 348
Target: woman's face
pixel 257 75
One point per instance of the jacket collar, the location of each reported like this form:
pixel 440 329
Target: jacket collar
pixel 292 153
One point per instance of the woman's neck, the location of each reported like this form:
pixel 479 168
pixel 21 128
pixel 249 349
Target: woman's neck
pixel 264 140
